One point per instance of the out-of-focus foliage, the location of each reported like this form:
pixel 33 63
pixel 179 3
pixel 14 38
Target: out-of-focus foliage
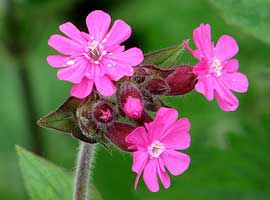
pixel 228 150
pixel 44 180
pixel 251 15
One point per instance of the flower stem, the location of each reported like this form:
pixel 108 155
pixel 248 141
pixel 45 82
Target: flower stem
pixel 81 181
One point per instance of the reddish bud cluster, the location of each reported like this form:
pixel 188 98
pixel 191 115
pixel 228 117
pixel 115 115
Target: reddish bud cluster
pixel 99 117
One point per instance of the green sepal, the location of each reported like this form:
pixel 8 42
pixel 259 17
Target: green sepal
pixel 64 119
pixel 167 57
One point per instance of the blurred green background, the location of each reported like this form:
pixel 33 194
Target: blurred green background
pixel 229 151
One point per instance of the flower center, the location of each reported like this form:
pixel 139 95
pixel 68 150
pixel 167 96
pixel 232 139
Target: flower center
pixel 106 115
pixel 93 51
pixel 155 149
pixel 216 67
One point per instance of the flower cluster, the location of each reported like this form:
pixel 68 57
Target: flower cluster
pixel 115 90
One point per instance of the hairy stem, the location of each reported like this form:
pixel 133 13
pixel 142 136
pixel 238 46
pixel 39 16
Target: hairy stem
pixel 85 158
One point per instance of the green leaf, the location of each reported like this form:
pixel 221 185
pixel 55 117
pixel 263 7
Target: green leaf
pixel 252 16
pixel 45 180
pixel 165 57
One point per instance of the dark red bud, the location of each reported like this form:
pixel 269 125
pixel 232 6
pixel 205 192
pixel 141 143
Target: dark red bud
pixel 157 86
pixel 151 102
pixel 117 133
pixel 145 118
pixel 102 112
pixel 181 81
pixel 93 115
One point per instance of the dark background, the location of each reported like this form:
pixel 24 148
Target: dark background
pixel 229 151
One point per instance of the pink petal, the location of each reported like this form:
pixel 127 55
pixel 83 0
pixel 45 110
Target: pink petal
pixel 57 60
pixel 226 48
pixel 83 89
pixel 116 48
pixel 133 57
pixel 177 136
pixel 137 180
pixel 139 161
pixel 73 73
pixel 231 65
pixel 72 32
pixel 65 45
pixel 85 36
pixel 205 86
pixel 138 137
pixel 202 40
pixel 96 71
pixel 98 23
pixel 165 117
pixel 133 107
pixel 119 71
pixel 150 175
pixel 163 175
pixel 236 81
pixel 104 85
pixel 225 99
pixel 176 162
pixel 227 104
pixel 201 69
pixel 195 53
pixel 119 33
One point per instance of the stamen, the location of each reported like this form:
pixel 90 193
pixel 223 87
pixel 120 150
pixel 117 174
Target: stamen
pixel 92 52
pixel 156 149
pixel 216 67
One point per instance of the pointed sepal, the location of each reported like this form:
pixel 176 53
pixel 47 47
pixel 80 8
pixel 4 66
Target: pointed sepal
pixel 64 119
pixel 167 57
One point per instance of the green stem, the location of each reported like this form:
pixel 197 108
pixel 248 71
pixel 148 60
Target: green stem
pixel 81 181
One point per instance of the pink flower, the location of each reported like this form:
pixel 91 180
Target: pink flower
pixel 217 72
pixel 155 146
pixel 96 57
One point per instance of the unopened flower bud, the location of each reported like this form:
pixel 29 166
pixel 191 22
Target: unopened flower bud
pixel 133 107
pixel 117 133
pixel 157 86
pixel 181 81
pixel 131 101
pixel 151 103
pixel 102 112
pixel 84 117
pixel 93 115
